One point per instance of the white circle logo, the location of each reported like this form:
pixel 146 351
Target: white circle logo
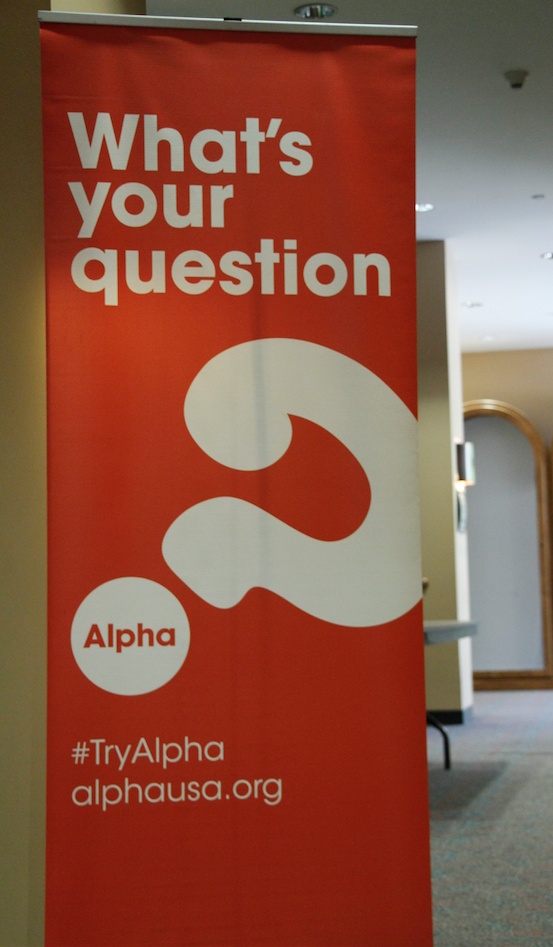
pixel 130 636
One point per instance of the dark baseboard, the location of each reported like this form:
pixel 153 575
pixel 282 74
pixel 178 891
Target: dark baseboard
pixel 452 716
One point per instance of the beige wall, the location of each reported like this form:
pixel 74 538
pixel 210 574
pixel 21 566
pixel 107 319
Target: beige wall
pixel 128 7
pixel 23 474
pixel 23 482
pixel 522 378
pixel 444 550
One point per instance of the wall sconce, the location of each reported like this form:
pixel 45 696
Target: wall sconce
pixel 466 477
pixel 465 464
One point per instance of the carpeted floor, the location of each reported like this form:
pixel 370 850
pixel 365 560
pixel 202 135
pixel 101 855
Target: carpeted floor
pixel 492 825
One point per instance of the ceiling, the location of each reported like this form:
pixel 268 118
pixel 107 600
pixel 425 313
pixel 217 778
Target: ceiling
pixel 483 150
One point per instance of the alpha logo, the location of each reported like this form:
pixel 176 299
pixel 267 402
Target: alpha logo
pixel 237 410
pixel 126 638
pixel 130 636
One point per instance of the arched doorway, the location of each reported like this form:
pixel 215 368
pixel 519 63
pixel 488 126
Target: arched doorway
pixel 509 549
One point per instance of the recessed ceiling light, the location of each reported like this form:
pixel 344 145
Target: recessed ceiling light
pixel 547 256
pixel 537 197
pixel 315 11
pixel 472 305
pixel 487 338
pixel 423 208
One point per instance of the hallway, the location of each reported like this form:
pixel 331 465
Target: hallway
pixel 491 824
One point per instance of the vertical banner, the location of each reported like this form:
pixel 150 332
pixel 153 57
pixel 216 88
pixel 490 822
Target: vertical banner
pixel 236 743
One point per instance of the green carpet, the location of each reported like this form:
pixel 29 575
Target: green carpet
pixel 492 825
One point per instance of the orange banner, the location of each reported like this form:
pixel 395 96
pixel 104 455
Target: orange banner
pixel 236 744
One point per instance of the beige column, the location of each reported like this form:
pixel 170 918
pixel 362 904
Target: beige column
pixel 444 549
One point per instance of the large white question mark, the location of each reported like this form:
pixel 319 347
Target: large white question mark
pixel 237 410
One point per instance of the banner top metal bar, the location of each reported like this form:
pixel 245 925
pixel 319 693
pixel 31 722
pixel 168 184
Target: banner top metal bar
pixel 220 23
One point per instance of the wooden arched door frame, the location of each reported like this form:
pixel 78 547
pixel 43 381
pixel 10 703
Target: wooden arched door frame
pixel 513 680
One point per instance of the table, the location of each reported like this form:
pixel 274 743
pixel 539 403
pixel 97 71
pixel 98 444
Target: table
pixel 439 632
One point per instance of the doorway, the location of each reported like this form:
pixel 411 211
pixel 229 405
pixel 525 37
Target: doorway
pixel 509 549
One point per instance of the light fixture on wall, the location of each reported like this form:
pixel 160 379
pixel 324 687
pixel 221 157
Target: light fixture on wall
pixel 423 208
pixel 466 477
pixel 465 464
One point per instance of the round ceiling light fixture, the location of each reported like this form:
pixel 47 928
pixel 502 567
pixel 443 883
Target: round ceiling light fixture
pixel 547 256
pixel 472 305
pixel 314 11
pixel 487 338
pixel 423 208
